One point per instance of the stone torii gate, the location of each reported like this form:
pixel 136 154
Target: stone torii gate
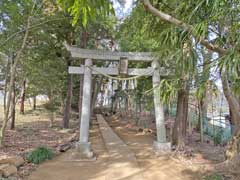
pixel 83 146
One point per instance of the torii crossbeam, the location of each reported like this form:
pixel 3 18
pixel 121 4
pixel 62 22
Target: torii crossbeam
pixel 161 144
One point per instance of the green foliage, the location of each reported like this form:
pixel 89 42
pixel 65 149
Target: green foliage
pixel 217 137
pixel 213 177
pixel 172 46
pixel 179 50
pixel 40 154
pixel 45 60
pixel 133 32
pixel 230 64
pixel 86 9
pixel 51 106
pixel 168 90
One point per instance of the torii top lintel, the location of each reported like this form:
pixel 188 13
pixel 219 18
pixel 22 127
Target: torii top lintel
pixel 109 55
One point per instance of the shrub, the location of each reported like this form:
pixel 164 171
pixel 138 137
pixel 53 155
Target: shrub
pixel 217 138
pixel 40 154
pixel 213 177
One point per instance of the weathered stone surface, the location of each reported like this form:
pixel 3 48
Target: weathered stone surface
pixel 13 160
pixel 158 106
pixel 7 170
pixel 115 71
pixel 162 148
pixel 86 104
pixel 109 55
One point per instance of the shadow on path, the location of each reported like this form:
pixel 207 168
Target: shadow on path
pixel 121 155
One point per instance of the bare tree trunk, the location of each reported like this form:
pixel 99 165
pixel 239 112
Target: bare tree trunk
pixel 52 118
pixel 130 105
pixel 140 107
pixel 185 110
pixel 202 106
pixel 34 102
pixel 13 107
pixel 102 96
pixel 136 108
pixel 112 95
pixel 127 100
pixel 232 100
pixel 11 82
pixel 178 135
pixel 23 97
pixel 96 91
pixel 233 147
pixel 6 83
pixel 52 113
pixel 203 102
pixel 94 88
pixel 200 119
pixel 202 110
pixel 67 110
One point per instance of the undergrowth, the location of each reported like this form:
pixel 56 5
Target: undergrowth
pixel 40 154
pixel 213 177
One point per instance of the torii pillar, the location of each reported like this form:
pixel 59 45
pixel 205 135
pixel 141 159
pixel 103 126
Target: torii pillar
pixel 84 146
pixel 160 146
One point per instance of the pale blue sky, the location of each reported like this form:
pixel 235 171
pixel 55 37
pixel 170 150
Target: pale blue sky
pixel 123 9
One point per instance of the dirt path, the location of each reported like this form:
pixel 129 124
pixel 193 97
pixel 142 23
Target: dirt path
pixel 153 168
pixel 60 169
pixel 122 159
pixel 106 167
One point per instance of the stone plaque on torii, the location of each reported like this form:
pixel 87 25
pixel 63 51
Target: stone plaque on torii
pixel 161 145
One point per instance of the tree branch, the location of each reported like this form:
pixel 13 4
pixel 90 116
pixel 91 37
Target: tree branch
pixel 166 17
pixel 31 27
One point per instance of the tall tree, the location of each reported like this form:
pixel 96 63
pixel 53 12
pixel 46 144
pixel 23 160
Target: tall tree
pixel 67 110
pixel 12 77
pixel 222 21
